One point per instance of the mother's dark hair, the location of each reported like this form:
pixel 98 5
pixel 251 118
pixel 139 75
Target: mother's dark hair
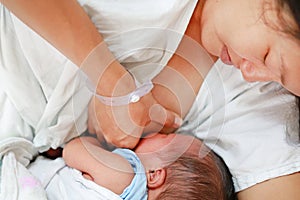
pixel 293 7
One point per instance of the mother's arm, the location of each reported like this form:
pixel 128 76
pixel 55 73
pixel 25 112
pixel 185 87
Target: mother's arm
pixel 65 25
pixel 62 22
pixel 177 85
pixel 281 188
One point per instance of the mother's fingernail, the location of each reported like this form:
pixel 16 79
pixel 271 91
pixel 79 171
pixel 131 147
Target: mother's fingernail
pixel 177 122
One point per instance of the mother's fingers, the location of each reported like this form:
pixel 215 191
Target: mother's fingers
pixel 123 126
pixel 162 116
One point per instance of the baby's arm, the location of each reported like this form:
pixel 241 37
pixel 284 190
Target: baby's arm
pixel 105 168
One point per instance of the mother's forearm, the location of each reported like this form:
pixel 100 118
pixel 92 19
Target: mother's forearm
pixel 62 22
pixel 65 25
pixel 179 82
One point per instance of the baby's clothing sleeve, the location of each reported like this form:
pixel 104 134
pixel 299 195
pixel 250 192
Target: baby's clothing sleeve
pixel 137 190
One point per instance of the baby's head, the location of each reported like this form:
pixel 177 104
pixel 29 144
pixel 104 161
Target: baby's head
pixel 182 167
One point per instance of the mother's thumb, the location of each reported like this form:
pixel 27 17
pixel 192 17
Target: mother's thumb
pixel 160 115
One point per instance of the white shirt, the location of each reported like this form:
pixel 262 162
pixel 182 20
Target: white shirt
pixel 247 124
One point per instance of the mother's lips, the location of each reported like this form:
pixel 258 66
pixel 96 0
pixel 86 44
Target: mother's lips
pixel 225 57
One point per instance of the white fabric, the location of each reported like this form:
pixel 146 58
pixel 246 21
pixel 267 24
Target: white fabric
pixel 39 91
pixel 42 97
pixel 65 183
pixel 17 183
pixel 247 125
pixel 248 120
pixel 142 34
pixel 40 88
pixel 46 96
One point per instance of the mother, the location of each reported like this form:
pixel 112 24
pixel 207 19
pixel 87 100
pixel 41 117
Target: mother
pixel 252 35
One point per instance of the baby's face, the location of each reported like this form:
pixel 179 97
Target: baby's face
pixel 158 150
pixel 164 142
pixel 154 142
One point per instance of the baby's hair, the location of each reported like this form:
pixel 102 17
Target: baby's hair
pixel 195 177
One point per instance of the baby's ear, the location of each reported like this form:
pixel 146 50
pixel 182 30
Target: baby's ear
pixel 156 178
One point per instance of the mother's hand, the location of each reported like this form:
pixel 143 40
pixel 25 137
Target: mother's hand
pixel 123 126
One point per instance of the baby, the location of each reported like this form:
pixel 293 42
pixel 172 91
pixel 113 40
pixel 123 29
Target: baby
pixel 159 168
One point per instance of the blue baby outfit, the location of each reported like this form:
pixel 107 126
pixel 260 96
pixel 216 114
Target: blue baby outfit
pixel 137 190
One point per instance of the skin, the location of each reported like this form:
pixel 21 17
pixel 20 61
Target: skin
pixel 259 51
pixel 158 146
pixel 262 54
pixel 277 189
pixel 112 171
pixel 65 25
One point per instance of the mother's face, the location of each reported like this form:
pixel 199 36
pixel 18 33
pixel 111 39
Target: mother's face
pixel 242 33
